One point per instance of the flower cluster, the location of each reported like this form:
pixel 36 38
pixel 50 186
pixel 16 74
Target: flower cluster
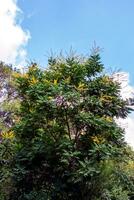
pixel 6 135
pixel 98 139
pixel 33 81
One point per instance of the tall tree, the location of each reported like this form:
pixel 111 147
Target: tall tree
pixel 68 143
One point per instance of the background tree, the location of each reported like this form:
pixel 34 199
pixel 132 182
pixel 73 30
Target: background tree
pixel 68 143
pixel 8 106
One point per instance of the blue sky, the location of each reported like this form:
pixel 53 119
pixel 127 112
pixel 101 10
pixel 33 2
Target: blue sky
pixel 60 24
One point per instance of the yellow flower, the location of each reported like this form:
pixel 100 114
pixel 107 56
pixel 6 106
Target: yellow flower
pixel 95 139
pixel 33 81
pixel 107 118
pixel 19 75
pixel 16 75
pixel 106 98
pixel 81 87
pixel 46 81
pixel 50 98
pixel 98 139
pixel 106 80
pixel 55 82
pixel 8 135
pixel 130 165
pixel 25 76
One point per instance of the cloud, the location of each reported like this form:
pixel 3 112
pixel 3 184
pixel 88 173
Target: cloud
pixel 127 91
pixel 13 39
pixel 130 130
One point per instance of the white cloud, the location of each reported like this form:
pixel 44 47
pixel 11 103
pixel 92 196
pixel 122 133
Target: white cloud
pixel 13 39
pixel 130 130
pixel 127 91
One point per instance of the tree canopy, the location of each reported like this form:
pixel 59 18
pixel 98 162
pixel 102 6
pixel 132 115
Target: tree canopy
pixel 67 144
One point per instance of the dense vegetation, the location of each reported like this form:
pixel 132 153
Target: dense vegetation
pixel 64 142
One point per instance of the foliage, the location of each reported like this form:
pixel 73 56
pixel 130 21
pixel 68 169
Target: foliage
pixel 8 104
pixel 7 95
pixel 68 145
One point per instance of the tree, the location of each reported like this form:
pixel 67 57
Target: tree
pixel 8 96
pixel 68 143
pixel 8 104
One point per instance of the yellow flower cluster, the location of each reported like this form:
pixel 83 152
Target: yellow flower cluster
pixel 106 80
pixel 25 76
pixel 130 165
pixel 33 81
pixel 19 75
pixel 55 82
pixel 98 139
pixel 16 75
pixel 81 87
pixel 8 135
pixel 106 98
pixel 46 81
pixel 108 119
